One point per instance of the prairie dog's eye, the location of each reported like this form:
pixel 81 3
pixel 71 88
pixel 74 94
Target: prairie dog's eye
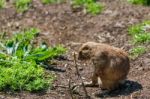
pixel 86 47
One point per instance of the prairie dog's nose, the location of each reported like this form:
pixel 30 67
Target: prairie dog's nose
pixel 79 55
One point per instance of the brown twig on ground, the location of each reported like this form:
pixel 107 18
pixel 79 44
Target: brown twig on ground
pixel 82 83
pixel 61 86
pixel 70 90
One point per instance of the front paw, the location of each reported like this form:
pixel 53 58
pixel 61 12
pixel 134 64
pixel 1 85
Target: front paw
pixel 90 84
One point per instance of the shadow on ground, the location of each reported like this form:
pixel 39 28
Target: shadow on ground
pixel 126 89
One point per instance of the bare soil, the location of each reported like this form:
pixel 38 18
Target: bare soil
pixel 60 25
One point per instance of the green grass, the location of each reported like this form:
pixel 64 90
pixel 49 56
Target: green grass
pixel 52 1
pixel 142 38
pixel 137 51
pixel 140 32
pixel 90 6
pixel 141 2
pixel 17 75
pixel 21 62
pixel 2 3
pixel 22 5
pixel 94 8
pixel 81 2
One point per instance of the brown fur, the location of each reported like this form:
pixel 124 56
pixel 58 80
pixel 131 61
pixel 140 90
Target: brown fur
pixel 111 64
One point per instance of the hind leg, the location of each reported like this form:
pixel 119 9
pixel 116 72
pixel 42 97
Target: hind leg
pixel 109 84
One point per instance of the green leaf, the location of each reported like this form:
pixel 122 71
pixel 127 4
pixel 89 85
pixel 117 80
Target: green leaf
pixel 22 5
pixel 94 8
pixel 2 3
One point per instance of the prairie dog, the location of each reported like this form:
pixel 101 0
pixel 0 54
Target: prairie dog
pixel 111 64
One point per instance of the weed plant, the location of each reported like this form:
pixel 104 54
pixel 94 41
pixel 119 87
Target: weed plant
pixel 51 1
pixel 21 62
pixel 90 6
pixel 141 2
pixel 2 3
pixel 140 34
pixel 22 5
pixel 94 8
pixel 137 51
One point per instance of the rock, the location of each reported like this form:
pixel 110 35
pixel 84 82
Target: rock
pixel 80 68
pixel 146 61
pixel 74 44
pixel 108 12
pixel 2 97
pixel 140 68
pixel 119 25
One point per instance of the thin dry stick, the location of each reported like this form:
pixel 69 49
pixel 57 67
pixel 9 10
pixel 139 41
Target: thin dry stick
pixel 77 70
pixel 70 90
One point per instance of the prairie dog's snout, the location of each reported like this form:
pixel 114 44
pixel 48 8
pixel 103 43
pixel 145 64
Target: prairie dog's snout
pixel 80 55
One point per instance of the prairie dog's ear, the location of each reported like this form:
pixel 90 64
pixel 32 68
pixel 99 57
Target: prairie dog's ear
pixel 85 51
pixel 86 47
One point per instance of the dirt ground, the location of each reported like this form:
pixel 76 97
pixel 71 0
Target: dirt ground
pixel 60 25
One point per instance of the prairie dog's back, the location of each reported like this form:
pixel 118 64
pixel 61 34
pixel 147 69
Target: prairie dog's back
pixel 99 47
